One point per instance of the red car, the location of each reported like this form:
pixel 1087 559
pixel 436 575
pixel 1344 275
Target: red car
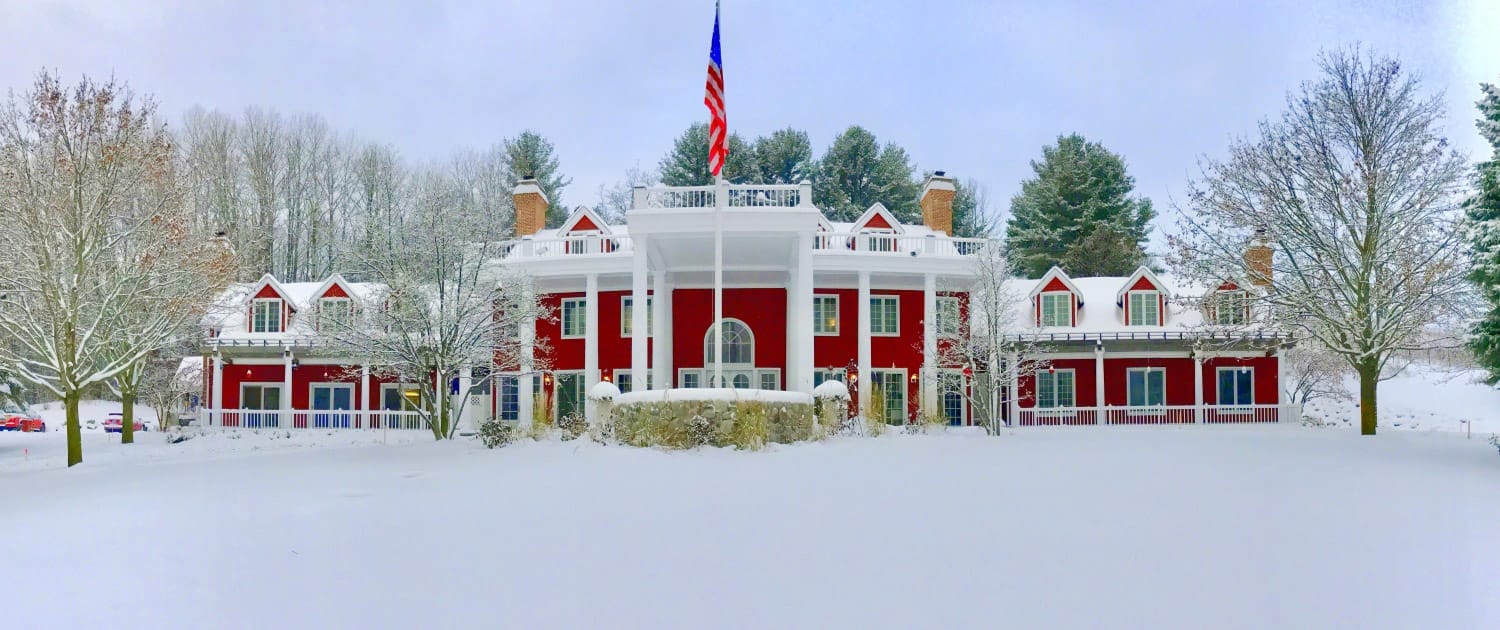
pixel 18 422
pixel 115 424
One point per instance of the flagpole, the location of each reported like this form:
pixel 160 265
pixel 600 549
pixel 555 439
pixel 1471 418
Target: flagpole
pixel 721 192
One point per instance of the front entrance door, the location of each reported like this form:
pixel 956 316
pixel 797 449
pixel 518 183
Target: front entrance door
pixel 569 395
pixel 331 403
pixel 261 398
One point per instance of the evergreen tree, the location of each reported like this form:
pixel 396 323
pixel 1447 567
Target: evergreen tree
pixel 1080 188
pixel 529 154
pixel 972 215
pixel 856 172
pixel 784 157
pixel 1484 238
pixel 687 163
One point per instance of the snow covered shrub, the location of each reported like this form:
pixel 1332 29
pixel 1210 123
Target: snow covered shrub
pixel 541 416
pixel 573 425
pixel 790 422
pixel 496 433
pixel 833 407
pixel 746 424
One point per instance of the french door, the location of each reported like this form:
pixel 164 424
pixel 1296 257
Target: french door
pixel 258 399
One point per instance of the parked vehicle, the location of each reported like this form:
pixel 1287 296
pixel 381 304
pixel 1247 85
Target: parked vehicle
pixel 33 425
pixel 10 422
pixel 115 423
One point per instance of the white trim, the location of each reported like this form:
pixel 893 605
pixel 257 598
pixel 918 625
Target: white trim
pixel 882 296
pixel 1056 273
pixel 905 392
pixel 963 409
pixel 318 321
pixel 682 372
pixel 335 279
pixel 837 320
pixel 583 390
pixel 625 315
pixel 331 384
pixel 281 315
pixel 1217 305
pixel 708 334
pixel 400 389
pixel 878 209
pixel 1147 370
pixel 565 230
pixel 280 386
pixel 562 317
pixel 1041 309
pixel 1036 388
pixel 1142 272
pixel 958 316
pixel 1156 304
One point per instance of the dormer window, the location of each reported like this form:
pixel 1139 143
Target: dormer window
pixel 1056 309
pixel 1144 307
pixel 265 316
pixel 334 313
pixel 1231 307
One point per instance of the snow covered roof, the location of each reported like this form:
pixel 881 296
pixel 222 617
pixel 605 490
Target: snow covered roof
pixel 1101 312
pixel 230 309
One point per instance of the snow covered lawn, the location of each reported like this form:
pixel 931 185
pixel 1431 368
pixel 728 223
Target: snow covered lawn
pixel 1225 527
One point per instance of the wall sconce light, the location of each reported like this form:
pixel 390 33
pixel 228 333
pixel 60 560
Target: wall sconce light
pixel 295 363
pixel 547 379
pixel 606 378
pixel 913 377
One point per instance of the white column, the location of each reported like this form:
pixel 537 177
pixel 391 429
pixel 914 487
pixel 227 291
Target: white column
pixel 639 334
pixel 1013 365
pixel 366 399
pixel 865 377
pixel 661 331
pixel 1197 387
pixel 217 405
pixel 1098 382
pixel 806 287
pixel 590 341
pixel 929 345
pixel 466 422
pixel 526 363
pixel 286 390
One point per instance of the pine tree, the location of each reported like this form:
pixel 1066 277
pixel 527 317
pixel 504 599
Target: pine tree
pixel 972 215
pixel 1483 211
pixel 784 157
pixel 1080 188
pixel 856 172
pixel 531 155
pixel 687 163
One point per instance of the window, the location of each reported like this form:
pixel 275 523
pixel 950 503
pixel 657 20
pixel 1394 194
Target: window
pixel 479 381
pixel 740 381
pixel 400 398
pixel 880 240
pixel 1057 309
pixel 510 397
pixel 769 379
pixel 574 318
pixel 1231 308
pixel 947 316
pixel 1144 309
pixel 627 316
pixel 260 397
pixel 1145 387
pixel 892 389
pixel 625 380
pixel 739 344
pixel 266 316
pixel 690 379
pixel 1236 386
pixel 885 315
pixel 822 376
pixel 1054 388
pixel 951 395
pixel 825 314
pixel 334 314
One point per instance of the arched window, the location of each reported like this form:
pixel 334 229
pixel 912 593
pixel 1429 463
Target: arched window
pixel 739 344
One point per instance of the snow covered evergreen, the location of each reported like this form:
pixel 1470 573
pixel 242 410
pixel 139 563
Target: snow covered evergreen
pixel 1484 238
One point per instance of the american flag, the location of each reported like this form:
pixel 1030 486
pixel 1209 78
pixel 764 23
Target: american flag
pixel 718 150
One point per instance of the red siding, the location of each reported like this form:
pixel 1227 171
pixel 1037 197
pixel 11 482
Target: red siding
pixel 836 351
pixel 236 374
pixel 1267 387
pixel 877 222
pixel 335 291
pixel 614 348
pixel 1083 382
pixel 558 353
pixel 303 376
pixel 583 224
pixel 269 291
pixel 1179 379
pixel 762 309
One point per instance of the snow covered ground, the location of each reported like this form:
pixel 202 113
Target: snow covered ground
pixel 1423 398
pixel 1223 527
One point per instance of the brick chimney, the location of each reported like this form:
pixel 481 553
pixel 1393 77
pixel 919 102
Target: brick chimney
pixel 936 200
pixel 1258 257
pixel 531 207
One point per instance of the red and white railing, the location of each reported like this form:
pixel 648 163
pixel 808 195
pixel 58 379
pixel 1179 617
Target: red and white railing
pixel 303 419
pixel 1151 414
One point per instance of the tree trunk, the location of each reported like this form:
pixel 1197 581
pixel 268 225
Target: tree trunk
pixel 1369 378
pixel 127 417
pixel 75 431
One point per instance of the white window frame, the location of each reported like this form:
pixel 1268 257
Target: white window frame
pixel 708 336
pixel 1052 296
pixel 500 389
pixel 963 407
pixel 1053 374
pixel 627 318
pixel 1235 301
pixel 281 387
pixel 627 374
pixel 1155 302
pixel 323 304
pixel 332 385
pixel 278 306
pixel 684 373
pixel 1146 382
pixel 583 392
pixel 760 377
pixel 400 389
pixel 828 375
pixel 877 375
pixel 946 325
pixel 581 311
pixel 819 319
pixel 895 301
pixel 885 237
pixel 1218 395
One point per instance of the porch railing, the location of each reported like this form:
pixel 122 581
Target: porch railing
pixel 557 247
pixel 301 419
pixel 897 244
pixel 1154 414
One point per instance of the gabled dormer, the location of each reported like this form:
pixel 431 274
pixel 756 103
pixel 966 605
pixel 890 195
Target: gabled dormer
pixel 1143 297
pixel 334 303
pixel 584 223
pixel 1227 305
pixel 1055 300
pixel 269 309
pixel 878 219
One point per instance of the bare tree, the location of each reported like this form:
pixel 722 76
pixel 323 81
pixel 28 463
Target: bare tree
pixel 1312 372
pixel 995 347
pixel 1359 194
pixel 444 307
pixel 87 233
pixel 615 200
pixel 167 380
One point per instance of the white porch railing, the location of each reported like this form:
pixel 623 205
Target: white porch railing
pixel 566 246
pixel 1175 414
pixel 735 196
pixel 302 419
pixel 879 242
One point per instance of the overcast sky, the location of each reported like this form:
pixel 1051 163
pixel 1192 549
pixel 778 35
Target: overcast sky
pixel 975 88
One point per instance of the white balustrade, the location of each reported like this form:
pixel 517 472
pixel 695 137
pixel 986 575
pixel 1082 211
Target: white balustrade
pixel 1146 415
pixel 304 419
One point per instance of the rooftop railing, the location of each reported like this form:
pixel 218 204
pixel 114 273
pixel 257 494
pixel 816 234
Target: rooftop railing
pixel 735 196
